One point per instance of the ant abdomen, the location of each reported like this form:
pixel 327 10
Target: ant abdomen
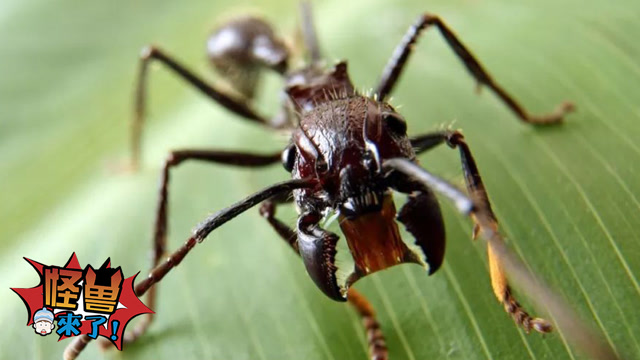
pixel 241 48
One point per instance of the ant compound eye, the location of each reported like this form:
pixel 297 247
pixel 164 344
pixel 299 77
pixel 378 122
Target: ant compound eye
pixel 395 124
pixel 289 157
pixel 321 165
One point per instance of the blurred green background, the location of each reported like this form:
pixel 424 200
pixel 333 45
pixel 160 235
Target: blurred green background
pixel 566 196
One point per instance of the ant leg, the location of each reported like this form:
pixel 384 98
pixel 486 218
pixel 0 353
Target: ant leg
pixel 575 331
pixel 479 209
pixel 499 282
pixel 268 211
pixel 150 53
pixel 160 228
pixel 399 58
pixel 198 235
pixel 375 337
pixel 475 186
pixel 309 32
pixel 422 143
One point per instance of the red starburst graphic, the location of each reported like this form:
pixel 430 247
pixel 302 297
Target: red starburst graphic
pixel 128 305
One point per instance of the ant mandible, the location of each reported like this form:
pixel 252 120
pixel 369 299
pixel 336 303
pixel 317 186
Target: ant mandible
pixel 347 154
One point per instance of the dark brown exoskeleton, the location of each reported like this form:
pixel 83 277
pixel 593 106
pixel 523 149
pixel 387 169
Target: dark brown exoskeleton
pixel 347 155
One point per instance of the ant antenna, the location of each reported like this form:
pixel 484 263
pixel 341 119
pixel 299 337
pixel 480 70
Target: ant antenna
pixel 370 147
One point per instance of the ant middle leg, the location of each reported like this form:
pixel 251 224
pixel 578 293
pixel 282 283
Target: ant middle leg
pixel 396 64
pixel 375 337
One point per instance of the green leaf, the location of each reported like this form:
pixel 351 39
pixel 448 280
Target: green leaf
pixel 566 196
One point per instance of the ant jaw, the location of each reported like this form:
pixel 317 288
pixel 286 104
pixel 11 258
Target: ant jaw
pixel 374 241
pixel 357 196
pixel 368 202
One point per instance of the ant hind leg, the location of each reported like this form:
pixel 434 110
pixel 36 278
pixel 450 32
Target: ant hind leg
pixel 398 60
pixel 230 102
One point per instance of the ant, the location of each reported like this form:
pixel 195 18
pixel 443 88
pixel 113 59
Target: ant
pixel 347 154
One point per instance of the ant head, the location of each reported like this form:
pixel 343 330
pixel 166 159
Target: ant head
pixel 343 142
pixel 383 136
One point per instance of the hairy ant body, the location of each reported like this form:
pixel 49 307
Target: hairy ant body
pixel 348 153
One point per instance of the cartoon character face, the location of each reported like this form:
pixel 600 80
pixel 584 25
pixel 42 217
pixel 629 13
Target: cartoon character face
pixel 43 327
pixel 43 321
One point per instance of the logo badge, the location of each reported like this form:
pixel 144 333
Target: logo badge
pixel 96 302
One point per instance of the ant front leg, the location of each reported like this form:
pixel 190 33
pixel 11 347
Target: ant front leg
pixel 454 139
pixel 396 64
pixel 479 209
pixel 199 234
pixel 268 211
pixel 375 337
pixel 228 101
pixel 160 229
pixel 404 172
pixel 499 282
